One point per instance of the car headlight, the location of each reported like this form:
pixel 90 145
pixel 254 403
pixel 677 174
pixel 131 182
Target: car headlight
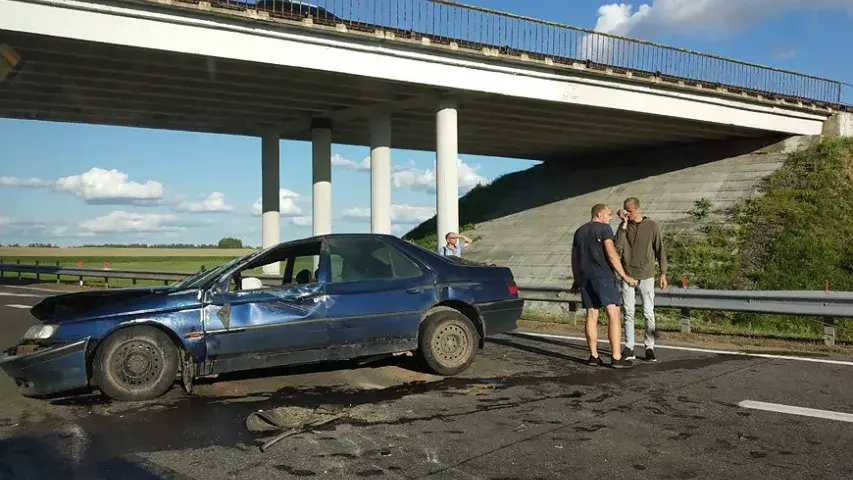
pixel 40 332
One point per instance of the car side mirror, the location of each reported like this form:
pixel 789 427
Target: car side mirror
pixel 251 283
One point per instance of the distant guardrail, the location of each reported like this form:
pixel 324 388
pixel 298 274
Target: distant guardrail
pixel 826 305
pixel 469 27
pixel 107 273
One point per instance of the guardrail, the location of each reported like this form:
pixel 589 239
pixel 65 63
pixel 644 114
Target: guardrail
pixel 108 273
pixel 470 27
pixel 826 305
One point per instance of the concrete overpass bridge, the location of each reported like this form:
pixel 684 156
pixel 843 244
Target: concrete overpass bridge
pixel 422 75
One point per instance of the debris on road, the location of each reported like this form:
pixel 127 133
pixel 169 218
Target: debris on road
pixel 295 419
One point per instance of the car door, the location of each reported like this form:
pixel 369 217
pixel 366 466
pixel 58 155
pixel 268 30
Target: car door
pixel 266 327
pixel 376 296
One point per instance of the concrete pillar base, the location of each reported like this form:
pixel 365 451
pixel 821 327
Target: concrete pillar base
pixel 270 195
pixel 839 125
pixel 321 204
pixel 446 170
pixel 380 172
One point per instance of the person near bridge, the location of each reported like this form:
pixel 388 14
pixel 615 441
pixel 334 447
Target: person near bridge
pixel 640 243
pixel 594 261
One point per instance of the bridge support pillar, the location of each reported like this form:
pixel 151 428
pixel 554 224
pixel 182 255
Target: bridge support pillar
pixel 321 149
pixel 270 194
pixel 446 168
pixel 380 172
pixel 839 125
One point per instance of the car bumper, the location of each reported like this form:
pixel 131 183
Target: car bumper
pixel 53 369
pixel 502 316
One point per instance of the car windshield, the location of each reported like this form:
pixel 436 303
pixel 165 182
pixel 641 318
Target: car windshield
pixel 202 278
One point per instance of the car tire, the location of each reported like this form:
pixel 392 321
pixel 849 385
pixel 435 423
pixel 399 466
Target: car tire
pixel 136 363
pixel 448 342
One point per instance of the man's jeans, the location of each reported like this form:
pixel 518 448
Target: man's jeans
pixel 629 301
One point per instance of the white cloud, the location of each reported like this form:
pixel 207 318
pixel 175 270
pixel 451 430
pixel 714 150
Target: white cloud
pixel 38 230
pixel 215 202
pixel 339 161
pixel 419 179
pixel 400 213
pixel 692 16
pixel 287 204
pixel 119 221
pixel 103 186
pixel 412 177
pixel 304 221
pixel 24 182
pixel 98 185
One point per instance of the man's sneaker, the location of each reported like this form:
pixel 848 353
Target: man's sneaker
pixel 621 363
pixel 650 355
pixel 628 354
pixel 595 361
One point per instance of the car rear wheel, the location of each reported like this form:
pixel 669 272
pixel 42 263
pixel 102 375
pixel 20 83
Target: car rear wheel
pixel 448 342
pixel 136 363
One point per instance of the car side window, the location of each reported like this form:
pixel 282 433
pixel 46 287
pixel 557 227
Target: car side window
pixel 365 259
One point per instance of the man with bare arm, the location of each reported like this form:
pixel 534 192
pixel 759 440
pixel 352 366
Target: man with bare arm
pixel 594 260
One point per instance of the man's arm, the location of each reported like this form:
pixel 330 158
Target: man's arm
pixel 576 266
pixel 621 236
pixel 613 256
pixel 660 253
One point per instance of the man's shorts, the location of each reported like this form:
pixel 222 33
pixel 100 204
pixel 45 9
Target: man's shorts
pixel 600 292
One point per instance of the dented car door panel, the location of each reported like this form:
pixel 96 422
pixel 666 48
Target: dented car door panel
pixel 382 316
pixel 264 328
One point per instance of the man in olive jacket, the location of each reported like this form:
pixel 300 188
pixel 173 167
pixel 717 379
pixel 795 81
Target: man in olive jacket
pixel 640 243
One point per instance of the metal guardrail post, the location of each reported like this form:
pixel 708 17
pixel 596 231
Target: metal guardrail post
pixel 829 331
pixel 685 321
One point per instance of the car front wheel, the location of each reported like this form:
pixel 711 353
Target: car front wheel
pixel 135 363
pixel 448 342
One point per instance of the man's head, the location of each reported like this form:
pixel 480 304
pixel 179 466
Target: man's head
pixel 601 213
pixel 450 237
pixel 632 208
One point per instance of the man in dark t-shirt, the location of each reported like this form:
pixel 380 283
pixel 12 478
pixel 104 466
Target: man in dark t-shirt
pixel 594 260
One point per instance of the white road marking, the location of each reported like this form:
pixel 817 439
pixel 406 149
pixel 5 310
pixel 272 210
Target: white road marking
pixel 13 294
pixel 806 412
pixel 708 350
pixel 15 305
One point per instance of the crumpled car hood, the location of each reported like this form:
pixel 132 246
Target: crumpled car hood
pixel 65 307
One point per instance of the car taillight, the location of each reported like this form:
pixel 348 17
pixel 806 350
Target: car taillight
pixel 513 289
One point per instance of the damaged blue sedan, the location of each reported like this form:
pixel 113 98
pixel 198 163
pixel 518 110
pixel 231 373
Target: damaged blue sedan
pixel 340 297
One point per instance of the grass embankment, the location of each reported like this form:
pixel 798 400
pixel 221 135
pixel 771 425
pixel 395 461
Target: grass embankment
pixel 142 259
pixel 795 236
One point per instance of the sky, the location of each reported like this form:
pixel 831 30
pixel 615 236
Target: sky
pixel 72 184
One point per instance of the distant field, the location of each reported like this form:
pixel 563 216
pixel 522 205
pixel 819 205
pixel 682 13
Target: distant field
pixel 146 259
pixel 120 252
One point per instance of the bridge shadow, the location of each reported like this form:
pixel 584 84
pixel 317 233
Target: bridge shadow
pixel 561 178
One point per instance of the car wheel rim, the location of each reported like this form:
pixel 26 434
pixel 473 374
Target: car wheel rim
pixel 451 345
pixel 137 364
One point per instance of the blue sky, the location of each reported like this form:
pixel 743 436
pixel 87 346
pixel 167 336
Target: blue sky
pixel 72 184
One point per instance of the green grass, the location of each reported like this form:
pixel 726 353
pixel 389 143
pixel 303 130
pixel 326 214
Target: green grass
pixel 140 263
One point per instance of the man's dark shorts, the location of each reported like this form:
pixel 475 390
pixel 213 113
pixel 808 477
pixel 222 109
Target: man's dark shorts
pixel 600 292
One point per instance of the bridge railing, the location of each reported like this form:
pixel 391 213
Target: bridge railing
pixel 471 27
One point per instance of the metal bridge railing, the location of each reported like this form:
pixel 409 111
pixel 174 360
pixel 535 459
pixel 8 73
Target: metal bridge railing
pixel 471 27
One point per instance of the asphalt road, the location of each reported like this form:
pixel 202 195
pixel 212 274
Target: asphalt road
pixel 528 408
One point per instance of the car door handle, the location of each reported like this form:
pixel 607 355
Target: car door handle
pixel 414 290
